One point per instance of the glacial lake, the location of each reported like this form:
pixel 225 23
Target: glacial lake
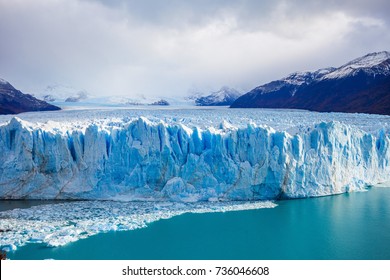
pixel 348 226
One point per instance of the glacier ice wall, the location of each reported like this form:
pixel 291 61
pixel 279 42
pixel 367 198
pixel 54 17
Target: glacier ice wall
pixel 141 160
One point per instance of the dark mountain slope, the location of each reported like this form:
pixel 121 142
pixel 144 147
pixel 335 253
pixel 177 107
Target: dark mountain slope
pixel 13 101
pixel 362 85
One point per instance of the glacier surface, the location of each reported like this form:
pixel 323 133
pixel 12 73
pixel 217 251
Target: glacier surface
pixel 190 155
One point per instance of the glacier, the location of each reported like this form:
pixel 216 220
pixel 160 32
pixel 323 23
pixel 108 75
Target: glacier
pixel 169 156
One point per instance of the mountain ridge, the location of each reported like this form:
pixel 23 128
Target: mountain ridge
pixel 13 101
pixel 223 97
pixel 359 86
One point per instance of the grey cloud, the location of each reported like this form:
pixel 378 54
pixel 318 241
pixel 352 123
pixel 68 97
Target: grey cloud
pixel 147 47
pixel 246 11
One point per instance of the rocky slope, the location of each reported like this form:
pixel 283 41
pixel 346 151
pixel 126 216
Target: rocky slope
pixel 362 85
pixel 13 101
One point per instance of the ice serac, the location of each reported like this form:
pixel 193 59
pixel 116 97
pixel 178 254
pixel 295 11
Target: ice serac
pixel 143 160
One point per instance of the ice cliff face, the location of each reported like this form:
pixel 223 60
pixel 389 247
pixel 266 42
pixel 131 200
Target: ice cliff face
pixel 141 160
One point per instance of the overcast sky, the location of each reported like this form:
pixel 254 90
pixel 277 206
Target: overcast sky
pixel 168 47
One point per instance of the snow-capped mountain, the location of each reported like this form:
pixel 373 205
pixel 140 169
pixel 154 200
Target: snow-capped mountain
pixel 13 101
pixel 58 94
pixel 362 85
pixel 123 101
pixel 62 93
pixel 371 64
pixel 292 82
pixel 223 97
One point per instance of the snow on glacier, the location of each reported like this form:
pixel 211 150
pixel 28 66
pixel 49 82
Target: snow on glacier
pixel 59 224
pixel 191 155
pixel 169 159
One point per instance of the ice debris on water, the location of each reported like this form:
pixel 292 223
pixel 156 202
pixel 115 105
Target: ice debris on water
pixel 60 224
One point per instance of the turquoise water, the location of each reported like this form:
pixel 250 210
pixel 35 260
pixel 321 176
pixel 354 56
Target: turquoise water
pixel 348 226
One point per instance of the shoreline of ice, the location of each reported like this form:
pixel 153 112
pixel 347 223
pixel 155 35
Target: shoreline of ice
pixel 59 224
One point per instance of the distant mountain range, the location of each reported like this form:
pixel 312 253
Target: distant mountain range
pixel 362 85
pixel 59 94
pixel 223 97
pixel 13 101
pixel 62 93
